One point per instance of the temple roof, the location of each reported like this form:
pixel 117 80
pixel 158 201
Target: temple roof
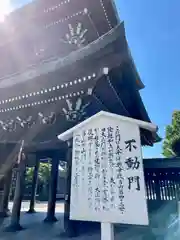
pixel 104 45
pixel 49 32
pixel 44 30
pixel 63 61
pixel 84 66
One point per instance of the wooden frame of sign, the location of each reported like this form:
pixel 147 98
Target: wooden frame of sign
pixel 107 181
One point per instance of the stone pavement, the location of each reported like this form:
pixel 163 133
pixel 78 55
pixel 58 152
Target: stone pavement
pixel 35 228
pixel 40 206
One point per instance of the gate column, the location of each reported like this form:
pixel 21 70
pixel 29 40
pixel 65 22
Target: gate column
pixel 4 212
pixel 34 186
pixel 16 210
pixel 52 190
pixel 70 226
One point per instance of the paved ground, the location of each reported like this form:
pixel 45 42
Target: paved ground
pixel 35 228
pixel 40 206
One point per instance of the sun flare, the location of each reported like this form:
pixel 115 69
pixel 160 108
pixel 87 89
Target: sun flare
pixel 5 8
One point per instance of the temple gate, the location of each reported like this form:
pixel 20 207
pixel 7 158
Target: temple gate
pixel 72 61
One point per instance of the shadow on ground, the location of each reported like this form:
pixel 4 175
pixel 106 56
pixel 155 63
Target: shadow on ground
pixel 35 228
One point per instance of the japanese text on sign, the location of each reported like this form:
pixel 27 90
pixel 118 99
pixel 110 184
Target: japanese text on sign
pixel 107 173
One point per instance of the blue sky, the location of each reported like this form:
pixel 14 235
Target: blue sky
pixel 153 33
pixel 18 3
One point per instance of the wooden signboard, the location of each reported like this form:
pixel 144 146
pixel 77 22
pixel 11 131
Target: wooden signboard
pixel 107 183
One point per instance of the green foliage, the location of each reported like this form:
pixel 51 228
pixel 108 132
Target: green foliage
pixel 29 175
pixel 44 172
pixel 172 138
pixel 43 175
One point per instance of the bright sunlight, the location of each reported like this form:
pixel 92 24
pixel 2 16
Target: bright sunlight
pixel 5 8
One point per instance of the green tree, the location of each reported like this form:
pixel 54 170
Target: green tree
pixel 171 144
pixel 43 174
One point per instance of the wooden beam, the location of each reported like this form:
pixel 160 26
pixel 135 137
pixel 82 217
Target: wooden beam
pixel 161 163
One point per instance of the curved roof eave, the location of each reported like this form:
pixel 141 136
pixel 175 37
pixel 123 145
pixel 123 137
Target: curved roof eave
pixel 139 82
pixel 58 63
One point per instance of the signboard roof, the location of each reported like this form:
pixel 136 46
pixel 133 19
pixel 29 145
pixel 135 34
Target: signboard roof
pixel 69 133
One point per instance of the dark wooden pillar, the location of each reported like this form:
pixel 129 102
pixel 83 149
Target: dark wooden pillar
pixel 52 190
pixel 1 197
pixel 70 226
pixel 5 200
pixel 34 187
pixel 20 181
